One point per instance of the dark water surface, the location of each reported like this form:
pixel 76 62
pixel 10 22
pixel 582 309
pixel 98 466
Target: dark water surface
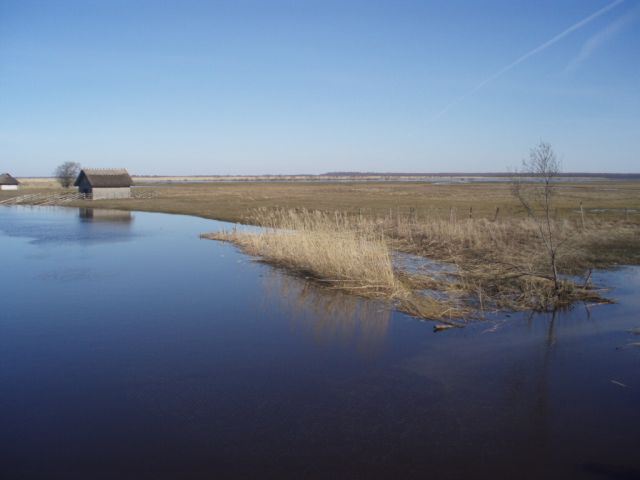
pixel 129 348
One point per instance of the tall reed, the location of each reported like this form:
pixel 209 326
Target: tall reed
pixel 326 247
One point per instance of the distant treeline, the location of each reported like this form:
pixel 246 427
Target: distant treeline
pixel 617 176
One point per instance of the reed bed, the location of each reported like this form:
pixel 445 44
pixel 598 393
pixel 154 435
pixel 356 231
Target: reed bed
pixel 496 265
pixel 503 265
pixel 515 242
pixel 317 246
pixel 335 250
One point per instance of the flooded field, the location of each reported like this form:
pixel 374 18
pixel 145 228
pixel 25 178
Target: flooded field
pixel 130 348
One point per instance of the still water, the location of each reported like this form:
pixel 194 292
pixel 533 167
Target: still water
pixel 130 348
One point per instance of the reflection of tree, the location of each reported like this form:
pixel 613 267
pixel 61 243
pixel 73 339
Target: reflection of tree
pixel 542 409
pixel 330 315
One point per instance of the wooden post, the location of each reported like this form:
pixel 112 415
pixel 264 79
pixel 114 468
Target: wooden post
pixel 495 217
pixel 411 222
pixel 582 215
pixel 470 212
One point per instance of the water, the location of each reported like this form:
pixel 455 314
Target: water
pixel 129 348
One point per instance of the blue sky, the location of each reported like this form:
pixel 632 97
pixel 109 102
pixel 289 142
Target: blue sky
pixel 254 87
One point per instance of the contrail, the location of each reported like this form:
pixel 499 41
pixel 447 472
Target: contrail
pixel 600 38
pixel 538 49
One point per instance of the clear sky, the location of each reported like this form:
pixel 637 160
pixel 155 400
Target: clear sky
pixel 267 86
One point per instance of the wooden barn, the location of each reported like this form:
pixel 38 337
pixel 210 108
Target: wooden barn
pixel 104 183
pixel 7 182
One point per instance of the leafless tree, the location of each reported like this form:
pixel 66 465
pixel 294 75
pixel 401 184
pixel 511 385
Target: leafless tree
pixel 67 173
pixel 536 196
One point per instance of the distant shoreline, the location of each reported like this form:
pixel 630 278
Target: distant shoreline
pixel 363 177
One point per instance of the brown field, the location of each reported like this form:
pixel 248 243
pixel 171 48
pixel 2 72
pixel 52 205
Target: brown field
pixel 233 201
pixel 602 200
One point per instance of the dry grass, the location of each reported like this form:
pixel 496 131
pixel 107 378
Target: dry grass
pixel 233 202
pixel 337 251
pixel 606 200
pixel 504 264
pixel 597 243
pixel 328 249
pixel 498 265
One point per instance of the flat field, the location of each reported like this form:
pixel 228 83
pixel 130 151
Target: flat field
pixel 601 200
pixel 234 201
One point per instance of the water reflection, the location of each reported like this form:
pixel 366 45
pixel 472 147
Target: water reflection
pixel 198 365
pixel 105 215
pixel 59 225
pixel 329 315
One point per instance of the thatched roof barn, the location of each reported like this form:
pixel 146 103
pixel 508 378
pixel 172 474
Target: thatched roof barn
pixel 7 182
pixel 104 183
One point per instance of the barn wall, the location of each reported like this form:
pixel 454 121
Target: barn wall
pixel 111 193
pixel 8 187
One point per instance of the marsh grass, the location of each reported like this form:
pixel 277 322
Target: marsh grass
pixel 495 265
pixel 504 265
pixel 338 251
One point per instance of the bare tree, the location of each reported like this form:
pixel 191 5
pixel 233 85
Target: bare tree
pixel 67 173
pixel 536 197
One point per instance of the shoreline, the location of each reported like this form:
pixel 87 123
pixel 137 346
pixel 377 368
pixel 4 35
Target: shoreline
pixel 415 306
pixel 478 228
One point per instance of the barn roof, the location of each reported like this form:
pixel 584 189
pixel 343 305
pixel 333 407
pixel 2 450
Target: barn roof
pixel 105 177
pixel 6 179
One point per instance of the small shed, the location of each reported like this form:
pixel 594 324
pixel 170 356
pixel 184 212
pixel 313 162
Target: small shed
pixel 104 183
pixel 7 182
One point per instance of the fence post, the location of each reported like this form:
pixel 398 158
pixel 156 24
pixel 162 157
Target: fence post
pixel 582 215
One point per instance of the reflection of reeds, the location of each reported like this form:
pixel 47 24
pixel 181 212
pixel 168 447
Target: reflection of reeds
pixel 332 316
